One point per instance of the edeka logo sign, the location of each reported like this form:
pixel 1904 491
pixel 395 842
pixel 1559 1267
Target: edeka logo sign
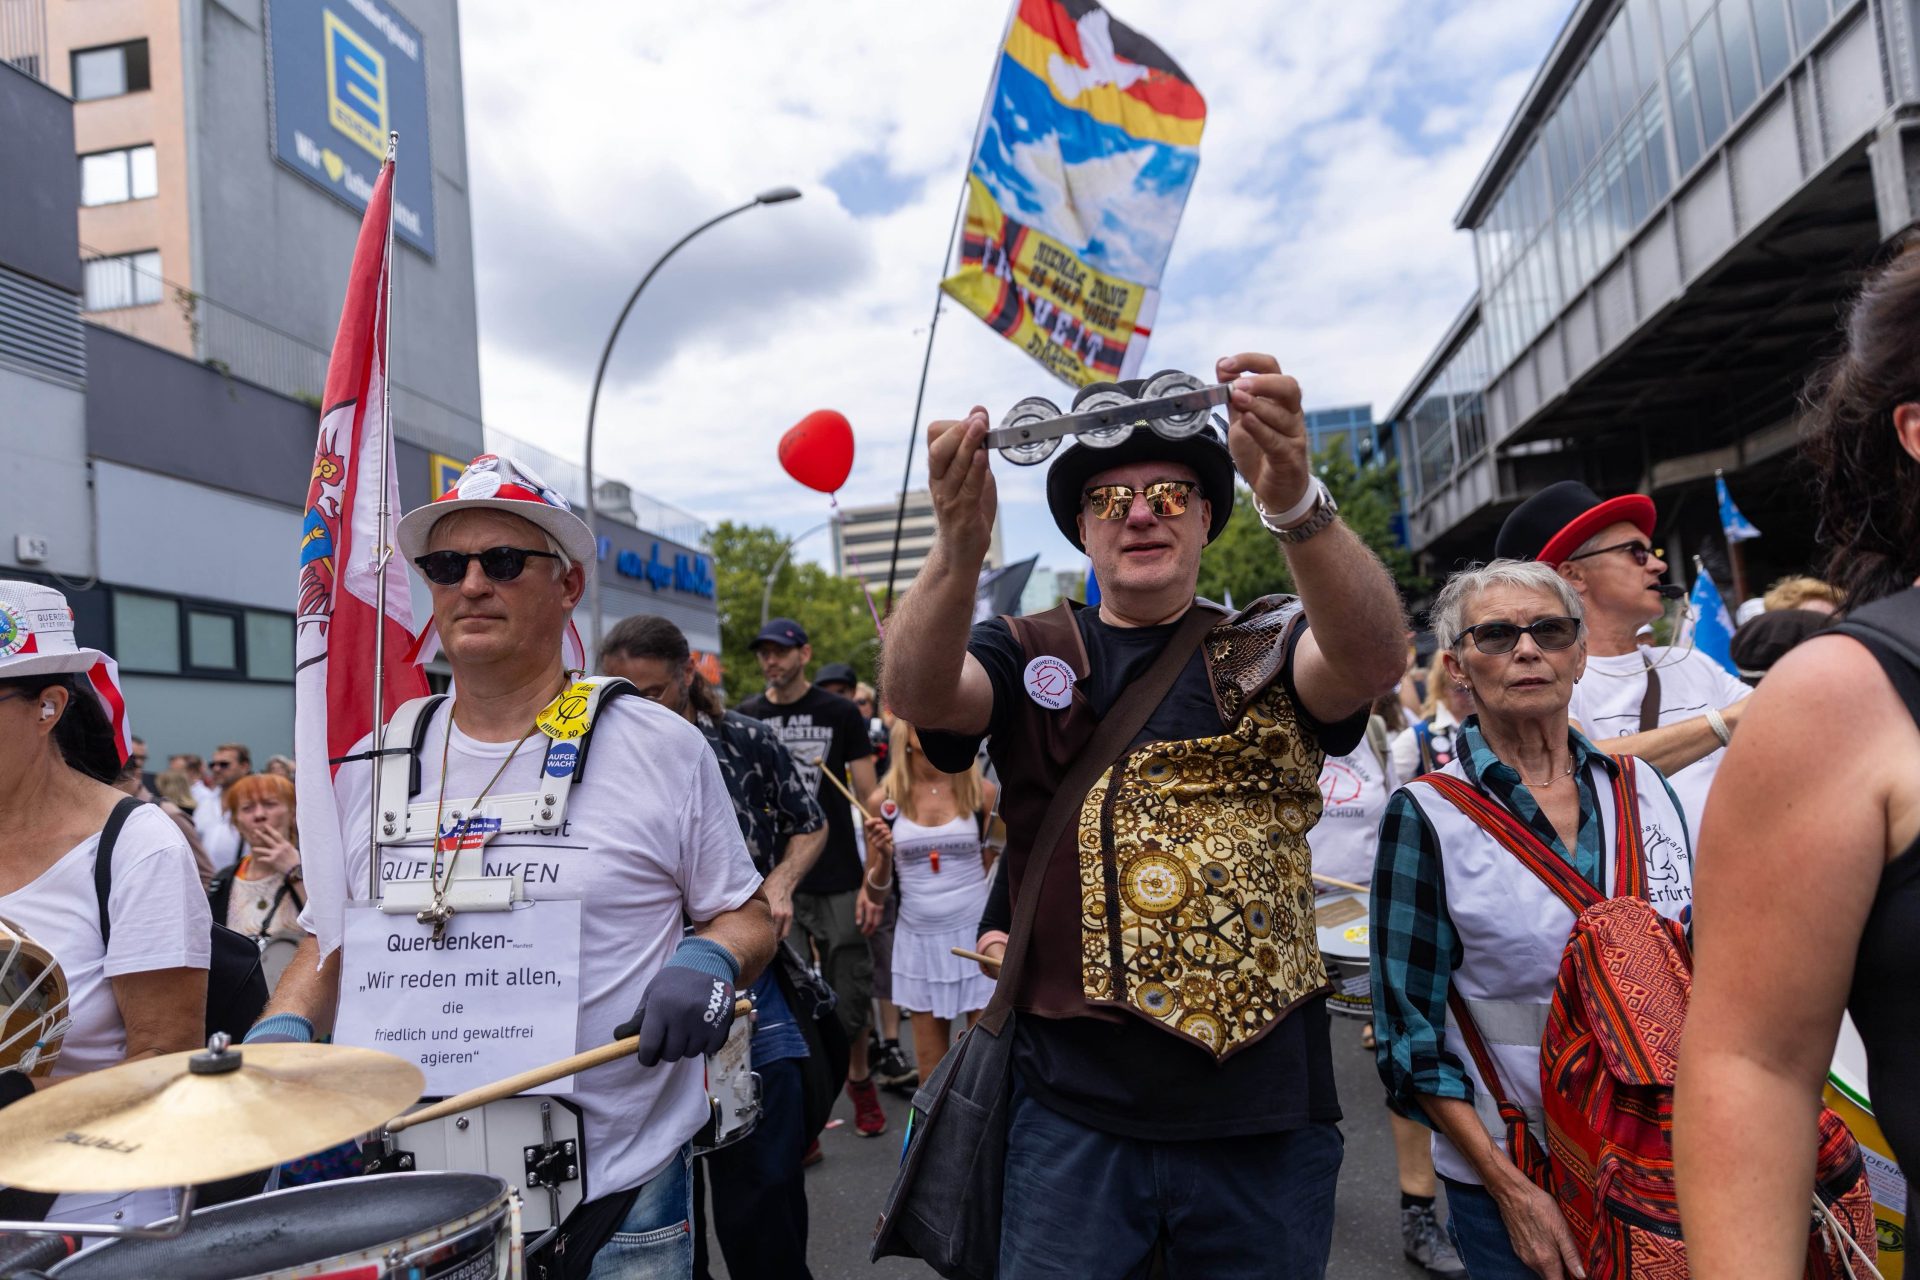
pixel 343 73
pixel 688 574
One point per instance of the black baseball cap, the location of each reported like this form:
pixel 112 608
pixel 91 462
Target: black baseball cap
pixel 837 673
pixel 784 632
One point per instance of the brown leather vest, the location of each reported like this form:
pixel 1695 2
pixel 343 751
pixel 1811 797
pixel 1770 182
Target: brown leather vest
pixel 1183 894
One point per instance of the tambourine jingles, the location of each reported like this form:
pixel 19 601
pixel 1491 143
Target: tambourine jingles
pixel 33 1003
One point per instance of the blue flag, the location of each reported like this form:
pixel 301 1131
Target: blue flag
pixel 1092 592
pixel 1709 624
pixel 1736 526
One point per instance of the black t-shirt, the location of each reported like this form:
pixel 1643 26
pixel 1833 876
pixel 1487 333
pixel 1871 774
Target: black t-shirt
pixel 822 727
pixel 1129 1077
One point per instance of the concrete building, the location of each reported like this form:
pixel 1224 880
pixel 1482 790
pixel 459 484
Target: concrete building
pixel 863 542
pixel 1664 234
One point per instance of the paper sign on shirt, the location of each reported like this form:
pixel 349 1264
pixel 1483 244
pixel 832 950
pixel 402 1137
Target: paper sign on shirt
pixel 497 994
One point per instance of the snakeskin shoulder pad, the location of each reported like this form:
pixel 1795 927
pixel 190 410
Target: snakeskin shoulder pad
pixel 1246 652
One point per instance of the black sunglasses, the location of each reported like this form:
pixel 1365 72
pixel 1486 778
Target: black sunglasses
pixel 1551 634
pixel 501 564
pixel 1640 552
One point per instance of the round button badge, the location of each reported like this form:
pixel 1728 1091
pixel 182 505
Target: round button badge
pixel 1049 682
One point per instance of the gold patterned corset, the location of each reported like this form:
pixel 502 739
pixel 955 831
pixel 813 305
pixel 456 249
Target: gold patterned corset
pixel 1196 898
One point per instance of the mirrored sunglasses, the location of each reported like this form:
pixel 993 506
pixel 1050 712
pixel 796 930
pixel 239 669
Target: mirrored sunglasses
pixel 1165 498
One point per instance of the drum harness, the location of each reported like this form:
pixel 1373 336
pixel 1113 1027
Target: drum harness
pixel 462 885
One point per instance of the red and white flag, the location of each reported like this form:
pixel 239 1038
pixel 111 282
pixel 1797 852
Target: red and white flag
pixel 339 551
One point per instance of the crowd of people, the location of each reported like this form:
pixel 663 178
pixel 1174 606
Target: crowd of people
pixel 1141 819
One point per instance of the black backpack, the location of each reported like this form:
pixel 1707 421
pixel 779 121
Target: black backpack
pixel 236 984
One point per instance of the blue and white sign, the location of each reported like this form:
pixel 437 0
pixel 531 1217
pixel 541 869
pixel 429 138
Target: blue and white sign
pixel 341 74
pixel 689 573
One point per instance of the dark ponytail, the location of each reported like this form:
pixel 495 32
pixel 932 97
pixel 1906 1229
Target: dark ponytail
pixel 83 734
pixel 1868 486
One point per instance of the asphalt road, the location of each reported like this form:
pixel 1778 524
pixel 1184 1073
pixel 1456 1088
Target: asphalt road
pixel 845 1190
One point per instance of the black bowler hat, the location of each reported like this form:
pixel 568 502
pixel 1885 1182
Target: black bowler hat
pixel 1205 451
pixel 784 632
pixel 1765 639
pixel 1551 525
pixel 837 673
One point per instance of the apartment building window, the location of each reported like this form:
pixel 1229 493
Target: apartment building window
pixel 110 70
pixel 123 280
pixel 113 177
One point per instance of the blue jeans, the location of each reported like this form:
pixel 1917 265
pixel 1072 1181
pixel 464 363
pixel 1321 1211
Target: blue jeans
pixel 1086 1204
pixel 759 1188
pixel 655 1242
pixel 1479 1234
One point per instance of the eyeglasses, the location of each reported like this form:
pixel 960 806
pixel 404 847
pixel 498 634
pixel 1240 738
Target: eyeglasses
pixel 1640 552
pixel 501 564
pixel 1551 634
pixel 221 764
pixel 1165 498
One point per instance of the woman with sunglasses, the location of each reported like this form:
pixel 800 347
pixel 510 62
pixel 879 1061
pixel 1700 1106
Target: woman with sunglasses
pixel 1456 914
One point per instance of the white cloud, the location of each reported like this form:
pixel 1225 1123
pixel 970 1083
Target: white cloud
pixel 1341 137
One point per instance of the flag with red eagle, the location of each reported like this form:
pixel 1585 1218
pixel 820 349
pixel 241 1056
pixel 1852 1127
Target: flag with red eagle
pixel 338 614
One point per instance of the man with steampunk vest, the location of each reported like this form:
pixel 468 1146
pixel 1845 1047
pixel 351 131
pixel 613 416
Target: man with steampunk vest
pixel 645 837
pixel 1173 1076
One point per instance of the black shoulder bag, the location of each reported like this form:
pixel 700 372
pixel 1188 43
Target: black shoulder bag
pixel 236 984
pixel 944 1207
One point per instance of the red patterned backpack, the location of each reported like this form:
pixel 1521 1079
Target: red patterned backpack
pixel 1606 1069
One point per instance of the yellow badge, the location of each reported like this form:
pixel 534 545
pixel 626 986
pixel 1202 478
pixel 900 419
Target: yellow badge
pixel 566 716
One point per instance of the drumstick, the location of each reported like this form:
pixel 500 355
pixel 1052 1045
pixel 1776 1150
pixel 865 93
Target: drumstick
pixel 1341 884
pixel 482 1094
pixel 843 789
pixel 965 954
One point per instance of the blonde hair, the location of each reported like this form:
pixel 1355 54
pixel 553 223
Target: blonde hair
pixel 904 749
pixel 1792 593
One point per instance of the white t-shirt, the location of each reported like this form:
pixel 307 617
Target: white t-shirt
pixel 1353 794
pixel 650 834
pixel 218 834
pixel 160 921
pixel 1606 704
pixel 1405 752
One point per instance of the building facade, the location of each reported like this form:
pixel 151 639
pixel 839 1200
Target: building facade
pixel 1351 430
pixel 863 542
pixel 1664 235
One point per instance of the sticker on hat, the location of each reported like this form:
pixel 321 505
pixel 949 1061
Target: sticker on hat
pixel 1049 682
pixel 13 631
pixel 478 484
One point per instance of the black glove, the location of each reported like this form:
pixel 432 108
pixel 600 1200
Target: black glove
pixel 15 1085
pixel 685 1011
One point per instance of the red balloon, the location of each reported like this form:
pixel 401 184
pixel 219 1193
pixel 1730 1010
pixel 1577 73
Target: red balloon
pixel 818 450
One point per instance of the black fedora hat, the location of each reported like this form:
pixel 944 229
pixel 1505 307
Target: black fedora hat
pixel 1205 451
pixel 1551 525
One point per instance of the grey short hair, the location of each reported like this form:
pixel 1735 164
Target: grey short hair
pixel 1450 609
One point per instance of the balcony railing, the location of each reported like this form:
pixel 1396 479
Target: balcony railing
pixel 23 36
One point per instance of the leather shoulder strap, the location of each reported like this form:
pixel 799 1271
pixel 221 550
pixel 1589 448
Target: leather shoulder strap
pixel 1110 741
pixel 1650 702
pixel 103 861
pixel 1515 837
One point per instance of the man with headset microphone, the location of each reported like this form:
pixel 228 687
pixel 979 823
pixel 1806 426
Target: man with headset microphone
pixel 1668 705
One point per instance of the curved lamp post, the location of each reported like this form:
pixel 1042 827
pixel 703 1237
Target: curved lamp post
pixel 766 595
pixel 778 195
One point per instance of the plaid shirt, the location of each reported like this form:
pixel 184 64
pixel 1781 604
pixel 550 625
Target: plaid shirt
pixel 1415 946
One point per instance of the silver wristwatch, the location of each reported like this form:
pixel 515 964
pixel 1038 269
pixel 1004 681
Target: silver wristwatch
pixel 1324 511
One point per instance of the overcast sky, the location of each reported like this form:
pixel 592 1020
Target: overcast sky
pixel 1341 137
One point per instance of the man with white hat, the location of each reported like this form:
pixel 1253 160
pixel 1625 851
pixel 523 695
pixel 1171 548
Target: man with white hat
pixel 647 838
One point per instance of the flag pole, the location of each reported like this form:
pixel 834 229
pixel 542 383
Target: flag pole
pixel 926 360
pixel 382 553
pixel 1736 557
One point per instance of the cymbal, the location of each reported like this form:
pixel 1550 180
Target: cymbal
pixel 159 1123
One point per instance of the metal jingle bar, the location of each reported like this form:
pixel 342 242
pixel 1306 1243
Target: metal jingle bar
pixel 168 1228
pixel 1120 415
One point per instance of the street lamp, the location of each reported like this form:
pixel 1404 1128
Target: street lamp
pixel 777 195
pixel 766 595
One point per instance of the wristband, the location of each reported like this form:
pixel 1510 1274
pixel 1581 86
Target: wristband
pixel 703 955
pixel 990 937
pixel 1277 521
pixel 281 1027
pixel 1718 723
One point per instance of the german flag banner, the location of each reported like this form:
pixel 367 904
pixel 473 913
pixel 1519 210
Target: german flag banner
pixel 1087 151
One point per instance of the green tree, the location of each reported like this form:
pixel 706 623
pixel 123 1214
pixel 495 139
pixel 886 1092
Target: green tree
pixel 1244 561
pixel 833 610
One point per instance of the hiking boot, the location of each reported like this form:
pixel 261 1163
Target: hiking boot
pixel 891 1070
pixel 868 1119
pixel 1427 1244
pixel 814 1154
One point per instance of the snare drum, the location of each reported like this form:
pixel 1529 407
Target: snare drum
pixel 405 1226
pixel 733 1091
pixel 1846 1093
pixel 531 1143
pixel 1341 921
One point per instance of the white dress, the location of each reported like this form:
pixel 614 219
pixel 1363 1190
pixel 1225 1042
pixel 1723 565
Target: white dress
pixel 943 890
